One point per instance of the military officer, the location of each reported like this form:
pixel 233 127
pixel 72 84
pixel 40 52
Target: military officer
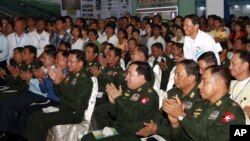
pixel 134 106
pixel 112 73
pixel 74 99
pixel 186 81
pixel 210 118
pixel 91 52
pixel 22 71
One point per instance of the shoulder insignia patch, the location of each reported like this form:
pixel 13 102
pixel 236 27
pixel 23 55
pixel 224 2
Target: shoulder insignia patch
pixel 192 95
pixel 73 82
pixel 109 73
pixel 144 100
pixel 196 114
pixel 187 105
pixel 227 117
pixel 218 103
pixel 114 73
pixel 135 97
pixel 150 90
pixel 214 115
pixel 198 109
pixel 127 94
pixel 139 90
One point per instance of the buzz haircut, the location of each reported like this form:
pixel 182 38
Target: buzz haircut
pixel 222 72
pixel 117 51
pixel 209 58
pixel 143 68
pixel 80 55
pixel 191 68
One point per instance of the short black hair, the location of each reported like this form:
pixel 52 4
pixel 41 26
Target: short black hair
pixel 143 68
pixel 195 19
pixel 93 31
pixel 132 39
pixel 218 18
pixel 116 50
pixel 144 49
pixel 157 45
pixel 191 68
pixel 178 45
pixel 50 47
pixel 31 49
pixel 124 32
pixel 244 56
pixel 65 53
pixel 68 17
pixel 221 71
pixel 208 57
pixel 93 46
pixel 136 30
pixel 19 49
pixel 51 53
pixel 156 26
pixel 62 19
pixel 66 44
pixel 146 18
pixel 80 55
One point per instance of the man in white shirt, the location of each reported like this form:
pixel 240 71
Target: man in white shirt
pixel 110 36
pixel 240 88
pixel 18 38
pixel 40 37
pixel 156 38
pixel 196 41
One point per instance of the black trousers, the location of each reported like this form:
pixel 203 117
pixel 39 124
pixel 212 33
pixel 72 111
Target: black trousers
pixel 15 110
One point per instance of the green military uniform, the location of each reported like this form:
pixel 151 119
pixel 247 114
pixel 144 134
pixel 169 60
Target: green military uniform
pixel 74 92
pixel 209 122
pixel 17 83
pixel 163 126
pixel 115 75
pixel 226 63
pixel 133 108
pixel 90 65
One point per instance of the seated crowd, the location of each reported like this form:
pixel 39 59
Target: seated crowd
pixel 185 79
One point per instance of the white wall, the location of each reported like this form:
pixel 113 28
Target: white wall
pixel 215 7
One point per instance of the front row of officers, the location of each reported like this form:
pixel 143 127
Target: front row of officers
pixel 197 108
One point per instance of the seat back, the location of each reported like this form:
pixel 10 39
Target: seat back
pixel 92 100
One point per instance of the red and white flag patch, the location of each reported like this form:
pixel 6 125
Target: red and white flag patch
pixel 227 117
pixel 144 100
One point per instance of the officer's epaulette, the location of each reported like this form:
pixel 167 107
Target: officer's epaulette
pixel 234 104
pixel 150 90
pixel 83 74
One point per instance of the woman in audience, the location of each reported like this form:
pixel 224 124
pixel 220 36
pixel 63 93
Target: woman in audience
pixel 122 39
pixel 76 41
pixel 179 38
pixel 238 32
pixel 149 33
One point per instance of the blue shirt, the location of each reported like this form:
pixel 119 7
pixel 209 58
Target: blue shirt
pixel 47 87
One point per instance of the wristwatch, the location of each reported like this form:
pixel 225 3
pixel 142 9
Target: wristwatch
pixel 180 117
